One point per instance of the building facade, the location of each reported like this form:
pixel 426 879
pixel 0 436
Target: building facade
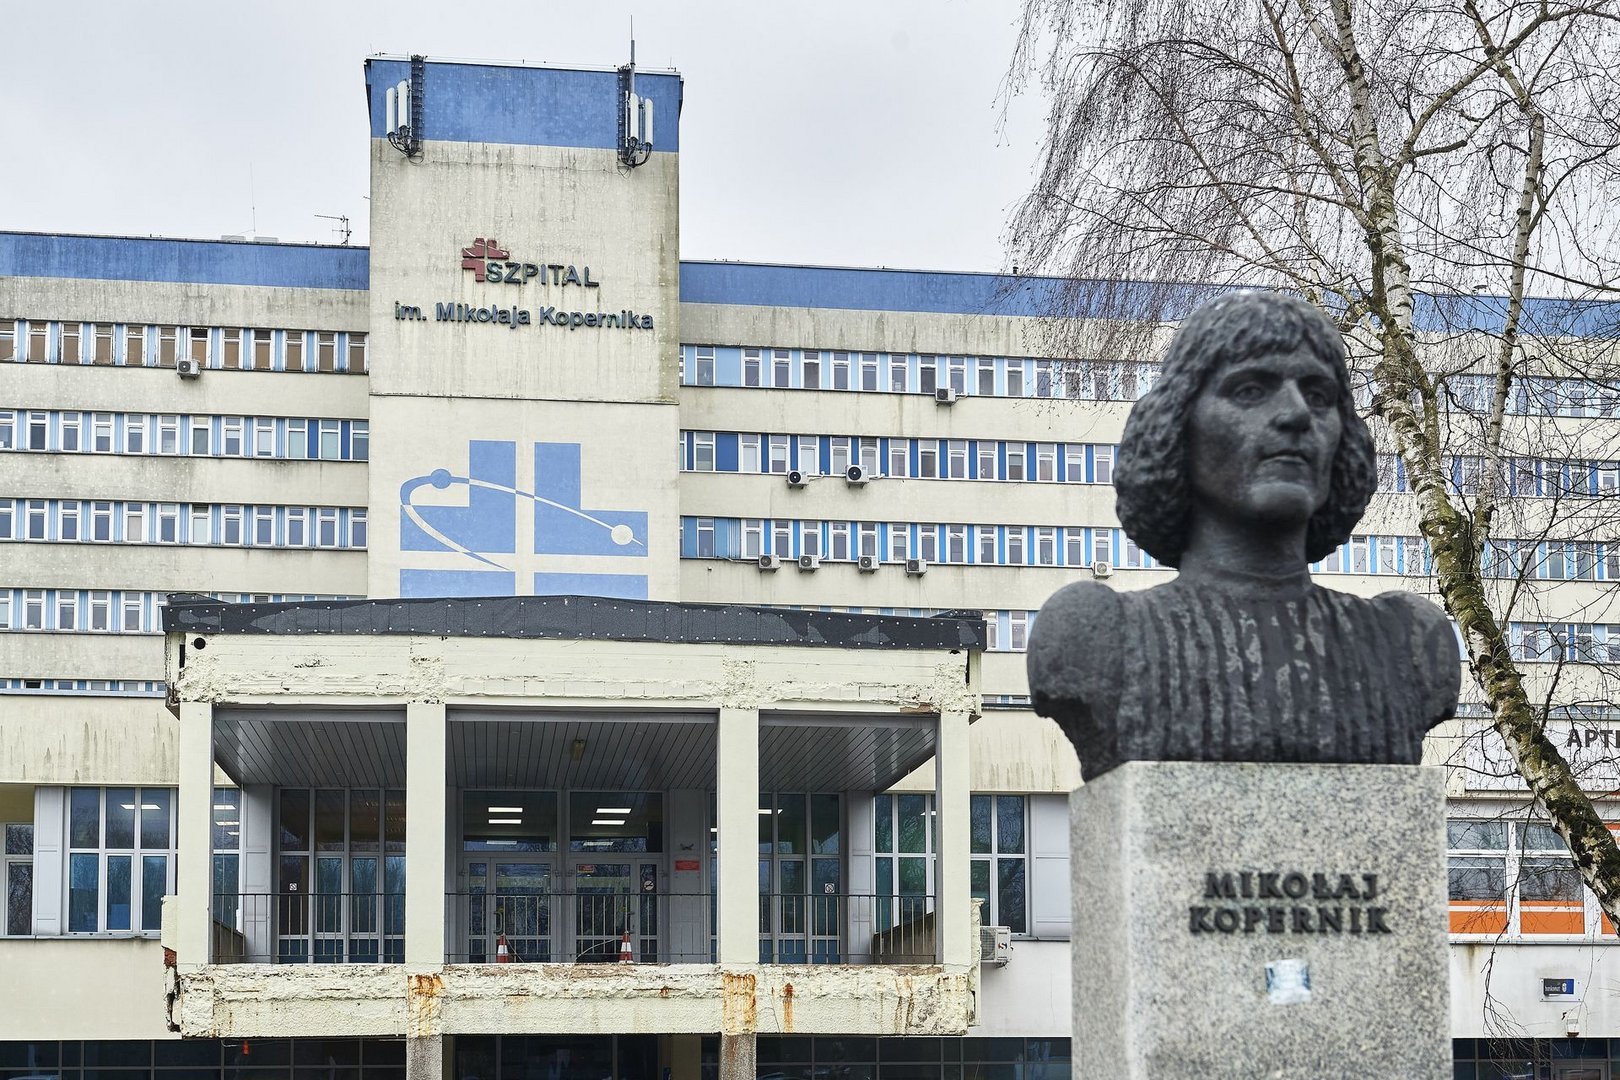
pixel 521 390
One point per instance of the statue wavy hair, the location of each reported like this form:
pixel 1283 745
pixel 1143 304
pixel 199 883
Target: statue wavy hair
pixel 1150 477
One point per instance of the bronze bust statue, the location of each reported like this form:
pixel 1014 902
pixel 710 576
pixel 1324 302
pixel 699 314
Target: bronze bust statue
pixel 1245 463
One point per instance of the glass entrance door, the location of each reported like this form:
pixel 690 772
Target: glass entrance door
pixel 511 897
pixel 614 896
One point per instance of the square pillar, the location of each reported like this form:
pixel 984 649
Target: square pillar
pixel 737 817
pixel 953 928
pixel 425 817
pixel 194 856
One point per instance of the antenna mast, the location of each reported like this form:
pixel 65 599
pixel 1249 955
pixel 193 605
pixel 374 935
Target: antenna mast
pixel 342 226
pixel 635 115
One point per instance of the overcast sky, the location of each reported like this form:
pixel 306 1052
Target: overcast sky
pixel 848 133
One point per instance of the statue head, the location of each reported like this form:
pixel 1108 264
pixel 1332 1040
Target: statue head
pixel 1151 475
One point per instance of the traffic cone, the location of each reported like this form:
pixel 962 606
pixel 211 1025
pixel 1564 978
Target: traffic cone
pixel 502 956
pixel 624 949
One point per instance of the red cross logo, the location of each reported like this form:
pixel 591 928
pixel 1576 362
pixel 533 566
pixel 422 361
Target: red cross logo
pixel 473 258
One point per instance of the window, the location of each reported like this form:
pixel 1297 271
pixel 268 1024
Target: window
pixel 101 518
pixel 899 542
pixel 8 430
pixel 866 454
pixel 750 359
pixel 100 611
pixel 867 540
pixel 928 459
pixel 231 441
pixel 986 371
pixel 1018 630
pixel 297 526
pixel 357 353
pixel 810 538
pixel 1074 547
pixel 840 370
pixel 38 430
pixel 869 371
pixel 135 346
pixel 104 344
pixel 263 358
pixel 811 379
pixel 134 523
pixel 120 858
pixel 899 452
pixel 956 457
pixel 1016 540
pixel 1015 460
pixel 264 526
pixel 230 521
pixel 33 609
pixel 357 529
pixel 34 519
pixel 986 544
pixel 360 441
pixel 293 351
pixel 199 346
pixel 230 349
pixel 7 519
pixel 134 434
pixel 927 374
pixel 8 339
pixel 264 437
pixel 748 453
pixel 326 351
pixel 1046 462
pixel 201 530
pixel 903 846
pixel 956 373
pixel 782 539
pixel 67 520
pixel 705 538
pixel 1015 378
pixel 778 450
pixel 703 451
pixel 326 527
pixel 781 368
pixel 999 850
pixel 331 445
pixel 897 373
pixel 39 339
pixel 753 538
pixel 72 344
pixel 168 435
pixel 1102 545
pixel 838 548
pixel 987 460
pixel 956 544
pixel 19 878
pixel 101 433
pixel 809 455
pixel 838 455
pixel 167 530
pixel 67 610
pixel 928 543
pixel 200 430
pixel 1045 547
pixel 705 365
pixel 69 428
pixel 132 611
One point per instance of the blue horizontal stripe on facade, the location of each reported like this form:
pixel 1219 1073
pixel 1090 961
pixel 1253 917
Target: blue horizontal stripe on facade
pixel 524 106
pixel 211 262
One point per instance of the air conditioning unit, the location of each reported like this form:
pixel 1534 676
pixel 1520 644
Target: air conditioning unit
pixel 1102 568
pixel 867 564
pixel 916 566
pixel 809 562
pixel 795 478
pixel 770 562
pixel 995 945
pixel 855 476
pixel 187 369
pixel 945 395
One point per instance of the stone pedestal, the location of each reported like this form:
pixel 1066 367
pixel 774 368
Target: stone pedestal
pixel 1238 921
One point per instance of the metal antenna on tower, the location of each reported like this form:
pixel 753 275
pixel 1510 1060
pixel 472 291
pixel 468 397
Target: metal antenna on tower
pixel 342 226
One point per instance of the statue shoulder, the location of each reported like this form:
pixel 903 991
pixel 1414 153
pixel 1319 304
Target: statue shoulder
pixel 1074 649
pixel 1432 641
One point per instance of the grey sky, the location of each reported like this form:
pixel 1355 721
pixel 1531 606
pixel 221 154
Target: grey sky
pixel 849 133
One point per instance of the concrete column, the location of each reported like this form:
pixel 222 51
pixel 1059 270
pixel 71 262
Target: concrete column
pixel 737 817
pixel 425 800
pixel 425 1055
pixel 195 837
pixel 738 1053
pixel 952 907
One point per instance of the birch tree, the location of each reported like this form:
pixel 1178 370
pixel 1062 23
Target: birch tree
pixel 1426 170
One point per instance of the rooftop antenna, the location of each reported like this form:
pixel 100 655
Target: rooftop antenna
pixel 342 226
pixel 402 110
pixel 635 115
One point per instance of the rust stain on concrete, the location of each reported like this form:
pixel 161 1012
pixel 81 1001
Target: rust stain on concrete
pixel 422 994
pixel 787 1008
pixel 738 1010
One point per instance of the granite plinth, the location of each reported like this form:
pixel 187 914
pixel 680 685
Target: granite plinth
pixel 1191 879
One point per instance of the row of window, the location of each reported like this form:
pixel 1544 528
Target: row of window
pixel 845 541
pixel 102 611
pixel 928 459
pixel 1532 396
pixel 195 524
pixel 914 373
pixel 85 687
pixel 45 341
pixel 1521 476
pixel 1581 643
pixel 1514 877
pixel 296 437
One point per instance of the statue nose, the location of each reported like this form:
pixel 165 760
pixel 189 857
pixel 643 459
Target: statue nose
pixel 1293 412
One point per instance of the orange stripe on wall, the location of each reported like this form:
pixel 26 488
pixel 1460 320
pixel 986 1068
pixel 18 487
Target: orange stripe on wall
pixel 1475 918
pixel 1550 917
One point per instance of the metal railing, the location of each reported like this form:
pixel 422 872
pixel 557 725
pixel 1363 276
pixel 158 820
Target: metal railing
pixel 570 926
pixel 846 928
pixel 309 928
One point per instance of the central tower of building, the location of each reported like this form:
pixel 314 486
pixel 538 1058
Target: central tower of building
pixel 524 283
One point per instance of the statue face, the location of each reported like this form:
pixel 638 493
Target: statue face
pixel 1262 438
